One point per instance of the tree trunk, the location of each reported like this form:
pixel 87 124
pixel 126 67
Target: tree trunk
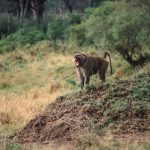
pixel 89 1
pixel 4 5
pixel 34 11
pixel 125 54
pixel 34 8
pixel 37 8
pixel 69 5
pixel 25 9
pixel 21 10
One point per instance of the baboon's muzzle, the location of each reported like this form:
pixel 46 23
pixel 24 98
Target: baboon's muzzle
pixel 76 61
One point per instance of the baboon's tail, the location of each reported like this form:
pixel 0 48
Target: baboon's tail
pixel 104 56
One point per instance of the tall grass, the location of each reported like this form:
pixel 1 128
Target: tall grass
pixel 27 87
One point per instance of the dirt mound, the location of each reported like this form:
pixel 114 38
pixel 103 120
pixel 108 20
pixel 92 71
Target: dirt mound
pixel 121 108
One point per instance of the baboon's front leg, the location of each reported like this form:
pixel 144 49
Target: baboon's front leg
pixel 87 79
pixel 81 82
pixel 81 78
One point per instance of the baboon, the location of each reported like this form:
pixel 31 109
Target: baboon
pixel 89 65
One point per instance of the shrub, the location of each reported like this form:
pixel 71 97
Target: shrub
pixel 27 34
pixel 74 18
pixel 122 27
pixel 77 34
pixel 56 30
pixel 97 25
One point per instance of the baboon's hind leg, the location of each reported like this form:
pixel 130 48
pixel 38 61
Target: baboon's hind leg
pixel 87 79
pixel 102 71
pixel 81 82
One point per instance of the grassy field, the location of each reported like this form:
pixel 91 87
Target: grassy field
pixel 32 78
pixel 29 82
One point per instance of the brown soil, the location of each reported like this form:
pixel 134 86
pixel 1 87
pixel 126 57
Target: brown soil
pixel 89 111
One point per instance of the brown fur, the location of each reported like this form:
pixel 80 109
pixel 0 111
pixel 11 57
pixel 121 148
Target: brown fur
pixel 89 65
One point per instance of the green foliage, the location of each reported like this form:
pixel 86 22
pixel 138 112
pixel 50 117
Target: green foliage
pixel 56 30
pixel 97 25
pixel 122 27
pixel 6 45
pixel 71 81
pixel 109 24
pixel 74 18
pixel 13 146
pixel 142 90
pixel 29 33
pixel 67 29
pixel 77 34
pixel 120 106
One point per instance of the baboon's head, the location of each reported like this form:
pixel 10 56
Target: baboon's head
pixel 79 59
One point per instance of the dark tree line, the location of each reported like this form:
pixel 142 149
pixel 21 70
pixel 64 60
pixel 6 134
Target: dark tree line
pixel 34 9
pixel 27 8
pixel 24 8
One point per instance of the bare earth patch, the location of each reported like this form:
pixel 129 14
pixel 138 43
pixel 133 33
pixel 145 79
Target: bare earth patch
pixel 96 110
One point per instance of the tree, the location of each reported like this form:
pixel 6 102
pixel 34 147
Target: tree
pixel 121 27
pixel 61 6
pixel 69 4
pixel 7 21
pixel 26 8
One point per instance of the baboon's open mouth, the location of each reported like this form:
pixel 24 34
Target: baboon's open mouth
pixel 76 62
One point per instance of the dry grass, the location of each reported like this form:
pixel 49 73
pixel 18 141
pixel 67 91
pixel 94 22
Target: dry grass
pixel 17 110
pixel 26 90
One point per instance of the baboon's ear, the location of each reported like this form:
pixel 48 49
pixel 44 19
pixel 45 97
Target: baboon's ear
pixel 84 54
pixel 76 52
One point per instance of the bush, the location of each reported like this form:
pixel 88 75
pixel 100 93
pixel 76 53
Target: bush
pixel 98 24
pixel 74 18
pixel 122 27
pixel 27 34
pixel 6 45
pixel 77 34
pixel 57 30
